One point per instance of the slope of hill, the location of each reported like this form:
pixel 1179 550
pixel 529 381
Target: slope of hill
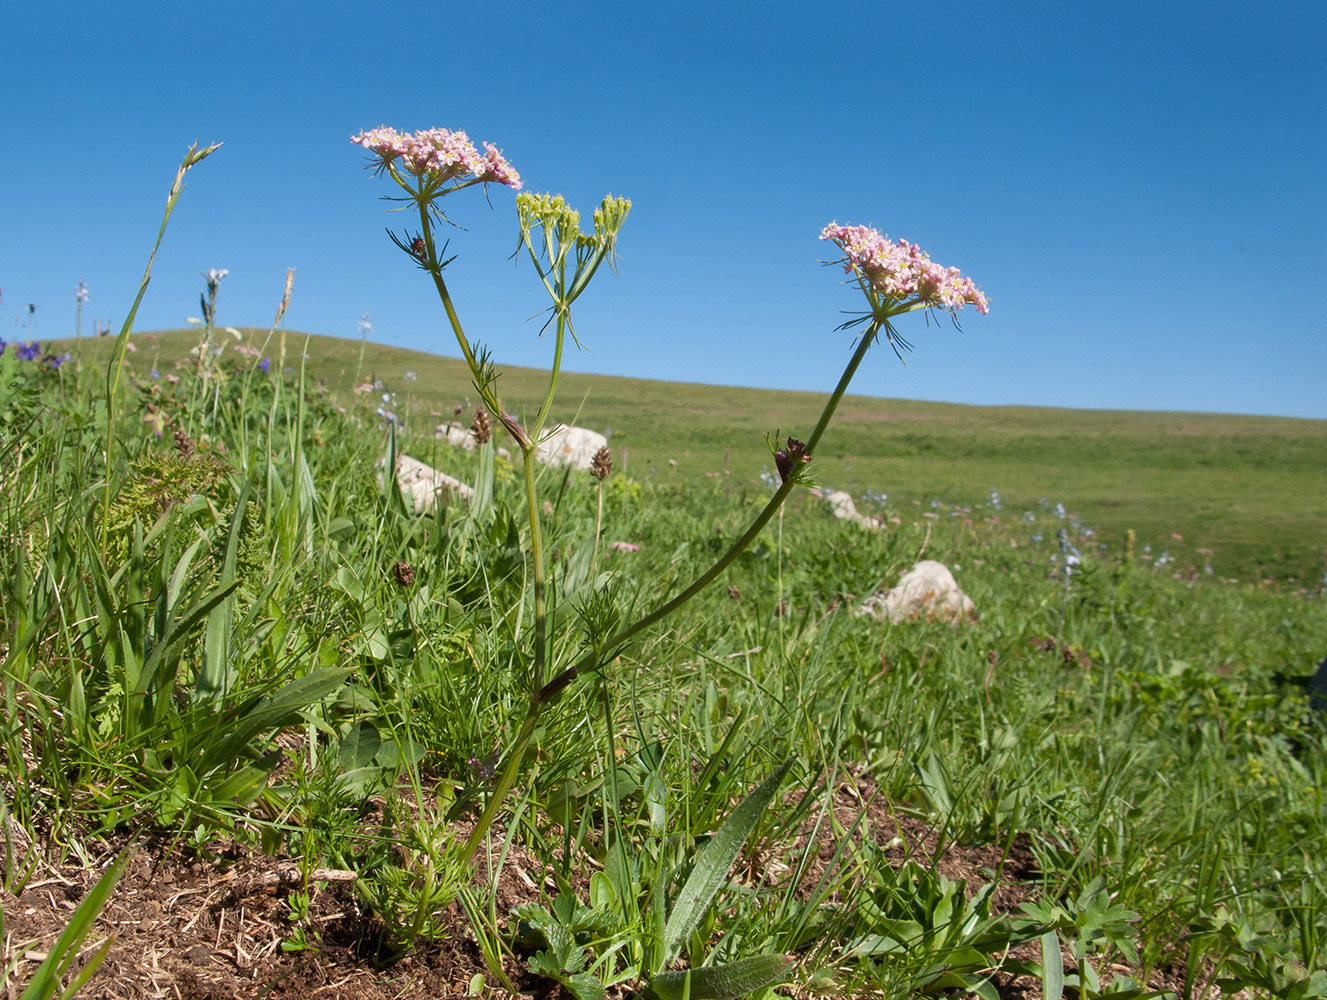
pixel 1253 490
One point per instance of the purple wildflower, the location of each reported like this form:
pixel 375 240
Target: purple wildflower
pixel 29 352
pixel 264 365
pixel 485 767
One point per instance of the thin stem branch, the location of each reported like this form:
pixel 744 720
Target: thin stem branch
pixel 537 558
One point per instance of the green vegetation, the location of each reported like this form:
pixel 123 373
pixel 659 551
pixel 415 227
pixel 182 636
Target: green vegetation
pixel 1251 489
pixel 1141 736
pixel 226 632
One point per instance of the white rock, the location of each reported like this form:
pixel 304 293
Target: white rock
pixel 927 591
pixel 422 483
pixel 840 502
pixel 457 436
pixel 573 446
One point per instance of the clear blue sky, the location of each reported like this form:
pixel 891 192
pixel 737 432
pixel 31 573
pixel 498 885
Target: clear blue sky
pixel 1140 187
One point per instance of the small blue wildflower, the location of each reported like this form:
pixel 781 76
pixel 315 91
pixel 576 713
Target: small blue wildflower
pixel 28 352
pixel 995 498
pixel 1036 536
pixel 264 365
pixel 154 374
pixel 56 361
pixel 1059 511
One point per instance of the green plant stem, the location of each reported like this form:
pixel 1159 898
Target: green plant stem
pixel 543 696
pixel 542 416
pixel 537 558
pixel 434 269
pixel 741 544
pixel 116 365
pixel 505 781
pixel 598 529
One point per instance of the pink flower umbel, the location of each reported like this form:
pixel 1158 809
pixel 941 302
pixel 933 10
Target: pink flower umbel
pixel 438 156
pixel 899 277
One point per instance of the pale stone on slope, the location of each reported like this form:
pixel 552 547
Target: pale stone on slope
pixel 928 591
pixel 457 436
pixel 422 483
pixel 574 446
pixel 840 503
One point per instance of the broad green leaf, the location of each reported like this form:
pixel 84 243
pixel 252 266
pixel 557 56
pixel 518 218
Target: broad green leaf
pixel 341 529
pixel 399 753
pixel 1052 967
pixel 710 873
pixel 602 894
pixel 247 783
pixel 359 746
pixel 723 982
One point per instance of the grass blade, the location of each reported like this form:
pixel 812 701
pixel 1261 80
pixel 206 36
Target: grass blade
pixel 46 981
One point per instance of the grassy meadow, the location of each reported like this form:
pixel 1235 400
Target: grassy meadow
pixel 227 646
pixel 1253 490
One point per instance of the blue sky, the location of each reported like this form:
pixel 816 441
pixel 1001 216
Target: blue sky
pixel 1138 187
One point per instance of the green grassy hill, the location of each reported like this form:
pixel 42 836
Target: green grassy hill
pixel 1252 489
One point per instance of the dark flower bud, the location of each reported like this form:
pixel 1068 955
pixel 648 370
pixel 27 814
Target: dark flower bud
pixel 418 249
pixel 601 464
pixel 788 459
pixel 482 427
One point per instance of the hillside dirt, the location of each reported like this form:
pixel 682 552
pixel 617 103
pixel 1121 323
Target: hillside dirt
pixel 217 924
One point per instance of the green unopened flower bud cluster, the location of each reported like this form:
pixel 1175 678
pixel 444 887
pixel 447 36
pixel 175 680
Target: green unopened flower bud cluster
pixel 559 241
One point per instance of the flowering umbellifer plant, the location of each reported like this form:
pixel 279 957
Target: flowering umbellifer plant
pixel 896 278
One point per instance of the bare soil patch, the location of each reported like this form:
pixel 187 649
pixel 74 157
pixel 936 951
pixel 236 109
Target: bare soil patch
pixel 213 925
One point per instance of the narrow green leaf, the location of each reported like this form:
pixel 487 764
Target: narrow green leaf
pixel 711 870
pixel 211 683
pixel 179 630
pixel 278 709
pixel 89 969
pixel 45 982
